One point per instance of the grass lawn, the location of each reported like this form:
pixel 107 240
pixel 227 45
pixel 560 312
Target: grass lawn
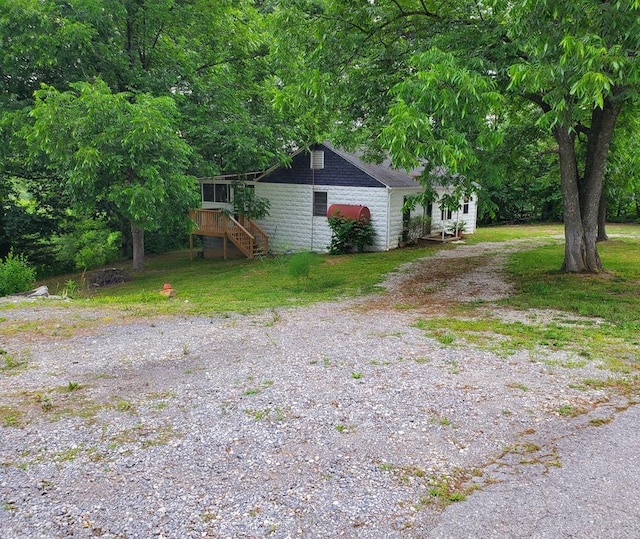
pixel 609 333
pixel 216 286
pixel 514 232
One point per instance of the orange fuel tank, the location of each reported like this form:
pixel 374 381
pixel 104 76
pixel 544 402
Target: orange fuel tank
pixel 350 211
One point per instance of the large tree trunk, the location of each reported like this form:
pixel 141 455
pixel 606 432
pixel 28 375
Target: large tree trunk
pixel 581 197
pixel 602 218
pixel 137 236
pixel 575 259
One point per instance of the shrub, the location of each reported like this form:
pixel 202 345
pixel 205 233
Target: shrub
pixel 16 275
pixel 90 244
pixel 458 227
pixel 349 234
pixel 300 265
pixel 417 228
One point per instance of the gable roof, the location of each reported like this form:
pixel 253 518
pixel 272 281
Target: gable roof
pixel 382 173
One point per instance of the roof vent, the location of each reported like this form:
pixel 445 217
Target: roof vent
pixel 317 159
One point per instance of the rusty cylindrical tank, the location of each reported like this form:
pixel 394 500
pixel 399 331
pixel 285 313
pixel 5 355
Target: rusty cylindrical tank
pixel 350 211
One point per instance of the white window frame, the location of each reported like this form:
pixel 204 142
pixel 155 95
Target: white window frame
pixel 215 186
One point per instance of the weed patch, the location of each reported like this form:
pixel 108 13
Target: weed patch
pixel 10 416
pixel 528 453
pixel 442 489
pixel 10 364
pixel 569 410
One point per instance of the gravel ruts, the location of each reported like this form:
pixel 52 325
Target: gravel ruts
pixel 337 420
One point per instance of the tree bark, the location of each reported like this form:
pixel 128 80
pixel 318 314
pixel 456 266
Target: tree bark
pixel 574 246
pixel 137 236
pixel 602 218
pixel 5 244
pixel 582 196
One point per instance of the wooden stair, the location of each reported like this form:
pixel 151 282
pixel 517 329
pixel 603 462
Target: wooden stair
pixel 246 235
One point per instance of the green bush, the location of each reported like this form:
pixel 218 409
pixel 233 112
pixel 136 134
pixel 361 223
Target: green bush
pixel 89 244
pixel 300 265
pixel 16 275
pixel 349 234
pixel 417 228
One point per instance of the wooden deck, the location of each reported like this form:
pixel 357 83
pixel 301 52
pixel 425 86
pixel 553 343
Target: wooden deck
pixel 246 235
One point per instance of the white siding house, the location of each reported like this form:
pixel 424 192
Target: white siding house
pixel 300 196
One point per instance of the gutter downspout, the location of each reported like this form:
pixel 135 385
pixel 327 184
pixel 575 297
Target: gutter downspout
pixel 313 189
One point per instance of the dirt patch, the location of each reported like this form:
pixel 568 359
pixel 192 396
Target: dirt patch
pixel 469 273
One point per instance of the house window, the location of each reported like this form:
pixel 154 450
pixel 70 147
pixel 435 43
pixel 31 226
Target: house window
pixel 222 192
pixel 465 206
pixel 319 204
pixel 446 215
pixel 406 214
pixel 215 192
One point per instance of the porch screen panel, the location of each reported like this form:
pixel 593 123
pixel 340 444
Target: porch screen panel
pixel 208 193
pixel 222 192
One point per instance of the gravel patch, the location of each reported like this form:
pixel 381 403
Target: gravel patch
pixel 337 420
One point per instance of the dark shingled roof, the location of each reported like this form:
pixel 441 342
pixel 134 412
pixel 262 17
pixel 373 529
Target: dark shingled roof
pixel 384 172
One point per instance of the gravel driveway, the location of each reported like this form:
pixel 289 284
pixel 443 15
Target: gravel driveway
pixel 336 420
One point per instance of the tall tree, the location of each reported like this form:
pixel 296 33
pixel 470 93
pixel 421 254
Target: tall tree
pixel 116 148
pixel 207 56
pixel 443 74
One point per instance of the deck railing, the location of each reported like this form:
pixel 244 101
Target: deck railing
pixel 261 243
pixel 247 236
pixel 208 222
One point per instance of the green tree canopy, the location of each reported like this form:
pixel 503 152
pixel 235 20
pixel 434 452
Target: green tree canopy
pixel 207 56
pixel 434 84
pixel 118 148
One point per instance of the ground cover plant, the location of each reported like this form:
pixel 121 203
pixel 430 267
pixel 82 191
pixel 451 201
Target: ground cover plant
pixel 216 286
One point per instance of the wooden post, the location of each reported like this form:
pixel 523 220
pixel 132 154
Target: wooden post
pixel 224 246
pixel 191 247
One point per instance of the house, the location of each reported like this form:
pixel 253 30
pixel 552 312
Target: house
pixel 301 193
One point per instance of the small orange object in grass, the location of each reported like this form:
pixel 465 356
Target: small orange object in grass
pixel 167 290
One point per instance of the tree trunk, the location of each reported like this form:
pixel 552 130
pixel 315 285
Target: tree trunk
pixel 581 197
pixel 137 236
pixel 574 246
pixel 5 243
pixel 602 218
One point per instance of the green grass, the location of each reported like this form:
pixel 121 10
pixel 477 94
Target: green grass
pixel 538 231
pixel 612 295
pixel 609 302
pixel 514 232
pixel 214 286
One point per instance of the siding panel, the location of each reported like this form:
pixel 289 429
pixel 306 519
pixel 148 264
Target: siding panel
pixel 336 172
pixel 290 222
